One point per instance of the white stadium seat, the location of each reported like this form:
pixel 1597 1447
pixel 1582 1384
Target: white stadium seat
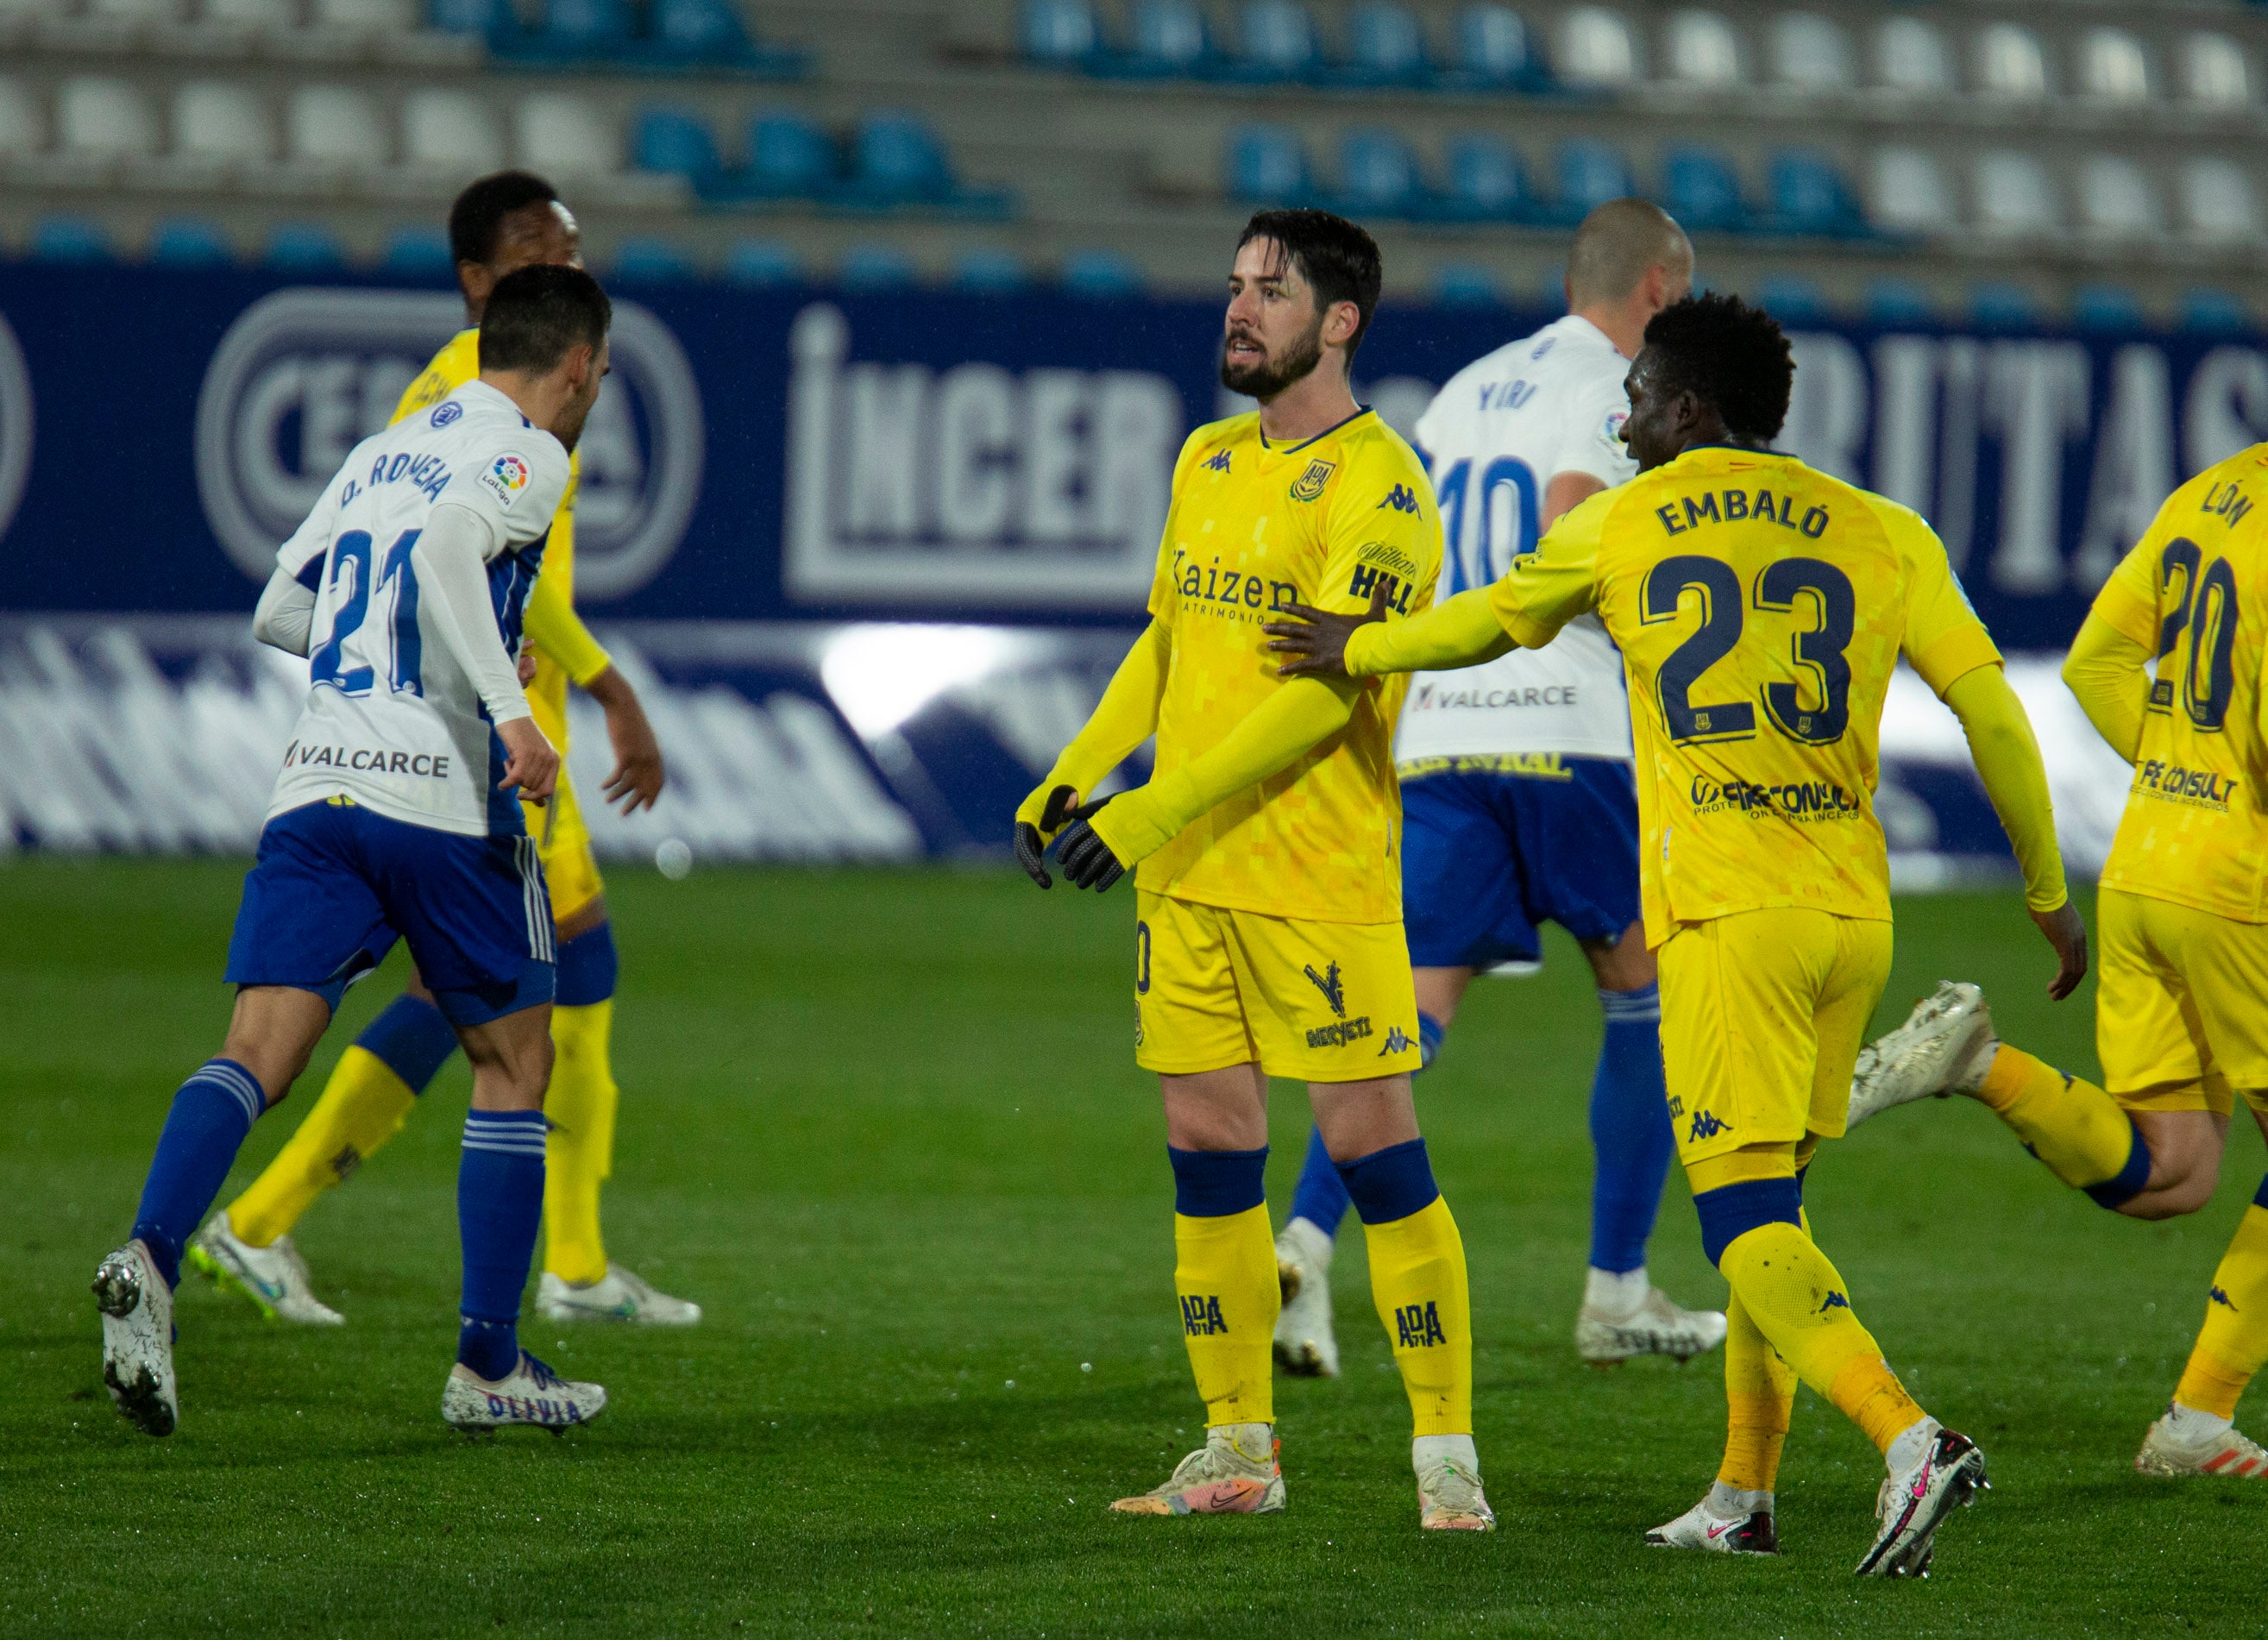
pixel 1910 56
pixel 104 117
pixel 1704 51
pixel 2014 195
pixel 1810 52
pixel 216 120
pixel 455 131
pixel 23 125
pixel 2010 64
pixel 335 125
pixel 2116 200
pixel 2214 73
pixel 1596 48
pixel 1910 195
pixel 2217 203
pixel 2112 67
pixel 373 17
pixel 561 136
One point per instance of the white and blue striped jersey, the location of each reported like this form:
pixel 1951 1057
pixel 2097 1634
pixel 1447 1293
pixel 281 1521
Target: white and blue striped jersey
pixel 393 720
pixel 1494 438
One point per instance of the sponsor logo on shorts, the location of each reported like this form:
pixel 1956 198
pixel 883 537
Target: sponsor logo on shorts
pixel 1333 988
pixel 1201 1316
pixel 1311 482
pixel 1706 1125
pixel 1834 1300
pixel 1418 1327
pixel 1397 1041
pixel 2200 787
pixel 1796 799
pixel 366 760
pixel 2214 1295
pixel 1677 1108
pixel 1339 1034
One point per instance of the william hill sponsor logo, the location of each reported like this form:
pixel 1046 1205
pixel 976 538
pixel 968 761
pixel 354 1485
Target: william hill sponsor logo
pixel 1795 799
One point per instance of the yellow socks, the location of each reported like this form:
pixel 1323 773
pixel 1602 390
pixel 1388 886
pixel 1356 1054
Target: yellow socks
pixel 1225 1273
pixel 579 1148
pixel 362 1107
pixel 1759 1395
pixel 1417 1281
pixel 2073 1126
pixel 2233 1343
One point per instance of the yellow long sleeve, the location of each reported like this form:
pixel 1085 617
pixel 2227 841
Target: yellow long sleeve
pixel 1462 632
pixel 553 626
pixel 1125 716
pixel 2105 672
pixel 2008 759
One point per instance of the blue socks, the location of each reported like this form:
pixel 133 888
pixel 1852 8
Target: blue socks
pixel 1390 1184
pixel 1629 1131
pixel 412 1039
pixel 212 1112
pixel 1214 1184
pixel 499 1205
pixel 1322 1197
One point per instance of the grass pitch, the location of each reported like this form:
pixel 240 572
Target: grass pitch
pixel 886 1127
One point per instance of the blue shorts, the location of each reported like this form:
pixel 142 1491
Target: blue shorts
pixel 1488 854
pixel 335 885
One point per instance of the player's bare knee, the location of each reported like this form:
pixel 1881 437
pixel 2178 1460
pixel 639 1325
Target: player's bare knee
pixel 1624 964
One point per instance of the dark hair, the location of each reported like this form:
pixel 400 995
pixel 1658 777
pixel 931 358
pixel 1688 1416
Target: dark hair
pixel 1728 354
pixel 535 315
pixel 478 217
pixel 1338 260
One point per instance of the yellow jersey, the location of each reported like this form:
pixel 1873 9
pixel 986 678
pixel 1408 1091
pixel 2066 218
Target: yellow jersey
pixel 563 646
pixel 2195 593
pixel 1760 607
pixel 1253 526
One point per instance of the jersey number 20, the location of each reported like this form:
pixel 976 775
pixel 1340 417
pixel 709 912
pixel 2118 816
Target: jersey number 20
pixel 352 585
pixel 1818 652
pixel 2206 610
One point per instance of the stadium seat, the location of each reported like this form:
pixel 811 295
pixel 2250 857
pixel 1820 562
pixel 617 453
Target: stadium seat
pixel 2217 203
pixel 1488 182
pixel 1169 40
pixel 334 127
pixel 583 28
pixel 1701 190
pixel 986 271
pixel 1704 51
pixel 2214 74
pixel 225 123
pixel 561 136
pixel 1995 305
pixel 303 247
pixel 419 253
pixel 1595 49
pixel 23 124
pixel 2215 313
pixel 1267 165
pixel 103 118
pixel 651 262
pixel 1274 40
pixel 71 239
pixel 452 132
pixel 1910 56
pixel 789 156
pixel 1590 174
pixel 1063 33
pixel 254 17
pixel 1101 275
pixel 676 143
pixel 1808 196
pixel 1495 46
pixel 1909 194
pixel 1793 300
pixel 364 17
pixel 2106 307
pixel 2010 64
pixel 1385 45
pixel 875 268
pixel 2116 200
pixel 491 18
pixel 763 263
pixel 188 242
pixel 1898 302
pixel 700 31
pixel 899 159
pixel 1810 53
pixel 1460 284
pixel 2014 195
pixel 1378 175
pixel 2112 67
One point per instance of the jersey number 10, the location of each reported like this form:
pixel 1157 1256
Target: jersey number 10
pixel 1818 652
pixel 351 586
pixel 2207 612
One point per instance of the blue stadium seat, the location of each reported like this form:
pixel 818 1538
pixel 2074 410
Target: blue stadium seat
pixel 989 272
pixel 898 159
pixel 2107 307
pixel 1899 302
pixel 585 27
pixel 1378 176
pixel 1102 275
pixel 1169 42
pixel 1495 47
pixel 419 253
pixel 2215 313
pixel 1267 165
pixel 875 268
pixel 1701 190
pixel 470 17
pixel 651 262
pixel 1810 196
pixel 71 239
pixel 304 247
pixel 1460 285
pixel 676 143
pixel 1488 182
pixel 1385 47
pixel 700 31
pixel 1591 173
pixel 1793 300
pixel 789 156
pixel 1996 304
pixel 1063 33
pixel 763 263
pixel 188 242
pixel 1274 40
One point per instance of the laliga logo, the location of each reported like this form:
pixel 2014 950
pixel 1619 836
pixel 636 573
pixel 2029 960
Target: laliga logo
pixel 304 375
pixel 15 426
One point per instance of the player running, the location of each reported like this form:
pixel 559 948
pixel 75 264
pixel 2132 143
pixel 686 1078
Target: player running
pixel 2179 1022
pixel 1760 608
pixel 1269 934
pixel 394 815
pixel 1516 788
pixel 497 225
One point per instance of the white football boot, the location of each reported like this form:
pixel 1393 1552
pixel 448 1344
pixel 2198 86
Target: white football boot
pixel 1945 1046
pixel 2171 1449
pixel 1305 1347
pixel 1911 1505
pixel 620 1295
pixel 1236 1472
pixel 1655 1327
pixel 530 1395
pixel 138 1338
pixel 1716 1525
pixel 274 1278
pixel 1449 1496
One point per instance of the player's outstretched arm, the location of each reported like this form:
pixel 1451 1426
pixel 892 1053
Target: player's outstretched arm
pixel 1125 716
pixel 1320 643
pixel 450 561
pixel 286 619
pixel 2008 759
pixel 2105 672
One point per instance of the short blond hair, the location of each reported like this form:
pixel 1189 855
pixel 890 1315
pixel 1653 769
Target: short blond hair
pixel 1615 246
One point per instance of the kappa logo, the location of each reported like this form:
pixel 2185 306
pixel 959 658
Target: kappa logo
pixel 1398 1041
pixel 1220 462
pixel 1833 1301
pixel 1400 499
pixel 1706 1125
pixel 1333 988
pixel 2216 1296
pixel 1201 1316
pixel 1418 1327
pixel 1311 482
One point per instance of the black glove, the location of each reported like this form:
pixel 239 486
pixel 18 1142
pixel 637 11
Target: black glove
pixel 1086 860
pixel 1031 841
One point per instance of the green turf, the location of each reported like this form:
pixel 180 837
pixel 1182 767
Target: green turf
pixel 887 1129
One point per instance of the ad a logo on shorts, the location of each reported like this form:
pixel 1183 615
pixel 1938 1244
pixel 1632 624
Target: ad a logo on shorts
pixel 1311 482
pixel 1795 799
pixel 1201 1316
pixel 1418 1327
pixel 1333 988
pixel 1706 1125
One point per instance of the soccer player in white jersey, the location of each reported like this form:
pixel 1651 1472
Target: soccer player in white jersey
pixel 1516 786
pixel 397 815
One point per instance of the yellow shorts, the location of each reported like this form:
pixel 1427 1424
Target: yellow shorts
pixel 1762 1015
pixel 1323 1002
pixel 2181 1006
pixel 564 844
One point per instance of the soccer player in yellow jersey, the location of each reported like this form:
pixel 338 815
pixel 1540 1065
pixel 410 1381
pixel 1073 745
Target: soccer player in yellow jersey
pixel 2182 1006
pixel 1269 935
pixel 1760 608
pixel 498 224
